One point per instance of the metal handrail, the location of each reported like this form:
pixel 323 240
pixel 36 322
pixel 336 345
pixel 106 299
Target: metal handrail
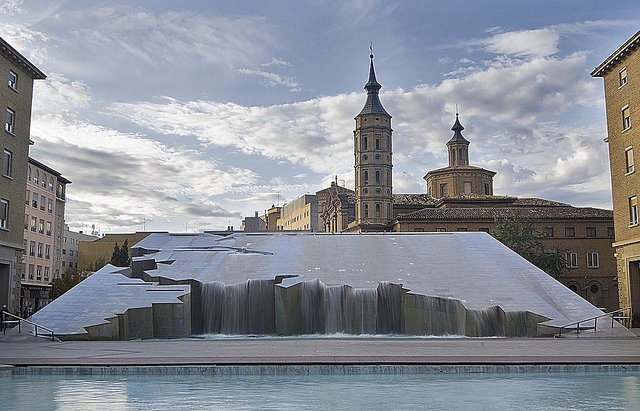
pixel 595 320
pixel 19 321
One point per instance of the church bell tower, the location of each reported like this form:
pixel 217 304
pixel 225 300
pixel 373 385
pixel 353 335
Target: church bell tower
pixel 372 147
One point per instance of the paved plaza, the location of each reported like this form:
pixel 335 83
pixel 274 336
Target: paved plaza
pixel 29 351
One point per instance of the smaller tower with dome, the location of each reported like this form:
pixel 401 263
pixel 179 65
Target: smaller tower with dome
pixel 459 178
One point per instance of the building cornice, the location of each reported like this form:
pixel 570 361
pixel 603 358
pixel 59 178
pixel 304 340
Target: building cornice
pixel 13 55
pixel 617 55
pixel 49 170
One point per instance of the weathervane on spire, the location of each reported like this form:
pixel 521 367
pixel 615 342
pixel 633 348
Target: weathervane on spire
pixel 371 49
pixel 456 109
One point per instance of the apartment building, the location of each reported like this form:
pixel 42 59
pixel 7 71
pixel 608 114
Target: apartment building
pixel 17 75
pixel 43 234
pixel 70 243
pixel 300 214
pixel 621 74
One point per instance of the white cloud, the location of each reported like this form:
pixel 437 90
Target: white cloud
pixel 120 178
pixel 11 7
pixel 276 62
pixel 58 94
pixel 29 42
pixel 535 43
pixel 511 109
pixel 273 79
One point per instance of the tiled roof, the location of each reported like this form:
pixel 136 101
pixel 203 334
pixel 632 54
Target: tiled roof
pixel 413 199
pixel 448 168
pixel 492 213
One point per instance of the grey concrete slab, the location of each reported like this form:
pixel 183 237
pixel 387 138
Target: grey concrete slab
pixel 102 296
pixel 288 351
pixel 471 267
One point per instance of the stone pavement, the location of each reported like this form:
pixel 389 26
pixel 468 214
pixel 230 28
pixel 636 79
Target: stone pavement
pixel 29 351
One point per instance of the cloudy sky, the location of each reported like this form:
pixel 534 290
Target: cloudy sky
pixel 187 115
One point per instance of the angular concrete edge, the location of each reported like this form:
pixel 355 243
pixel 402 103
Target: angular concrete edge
pixel 321 369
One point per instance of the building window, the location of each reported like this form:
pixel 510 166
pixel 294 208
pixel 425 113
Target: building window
pixel 440 229
pixel 64 251
pixel 444 190
pixel 365 176
pixel 47 252
pixel 366 210
pixel 46 273
pixel 377 141
pixel 569 231
pixel 633 210
pixel 44 180
pixel 626 118
pixel 13 80
pixel 26 221
pixel 40 250
pixel 467 187
pixel 50 206
pixel 378 210
pixel 24 249
pixel 9 124
pixel 32 248
pixel 623 77
pixel 36 177
pixel 591 232
pixel 571 260
pixel 628 155
pixel 43 201
pixel 31 269
pixel 419 230
pixel 39 273
pixel 34 224
pixel 610 232
pixel 41 226
pixel 50 183
pixel 486 189
pixel 548 231
pixel 365 142
pixel 49 228
pixel 462 229
pixel 4 213
pixel 592 260
pixel 34 200
pixel 7 163
pixel 377 176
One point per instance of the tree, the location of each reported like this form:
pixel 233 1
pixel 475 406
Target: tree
pixel 520 235
pixel 63 284
pixel 120 256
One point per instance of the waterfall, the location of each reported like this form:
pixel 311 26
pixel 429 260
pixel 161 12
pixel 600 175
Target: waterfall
pixel 312 307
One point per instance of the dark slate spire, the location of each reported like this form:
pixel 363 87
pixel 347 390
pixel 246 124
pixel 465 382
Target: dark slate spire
pixel 457 133
pixel 372 105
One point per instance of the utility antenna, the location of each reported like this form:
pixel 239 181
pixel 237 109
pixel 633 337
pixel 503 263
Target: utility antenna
pixel 456 109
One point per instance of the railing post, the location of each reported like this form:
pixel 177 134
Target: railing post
pixel 578 328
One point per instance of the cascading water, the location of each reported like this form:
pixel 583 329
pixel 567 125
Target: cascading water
pixel 311 307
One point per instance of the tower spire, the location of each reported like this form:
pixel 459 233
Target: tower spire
pixel 372 105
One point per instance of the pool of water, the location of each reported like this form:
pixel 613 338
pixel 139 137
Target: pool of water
pixel 536 391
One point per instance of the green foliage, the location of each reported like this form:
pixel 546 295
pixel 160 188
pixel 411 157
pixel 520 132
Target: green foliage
pixel 120 256
pixel 63 284
pixel 520 235
pixel 98 264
